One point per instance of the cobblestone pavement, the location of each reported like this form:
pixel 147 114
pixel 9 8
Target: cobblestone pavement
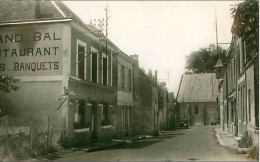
pixel 196 143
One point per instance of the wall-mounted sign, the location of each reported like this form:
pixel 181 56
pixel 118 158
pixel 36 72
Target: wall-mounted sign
pixel 33 50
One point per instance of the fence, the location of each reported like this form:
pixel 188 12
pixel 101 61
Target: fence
pixel 22 137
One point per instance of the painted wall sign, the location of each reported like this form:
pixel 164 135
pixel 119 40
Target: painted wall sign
pixel 32 50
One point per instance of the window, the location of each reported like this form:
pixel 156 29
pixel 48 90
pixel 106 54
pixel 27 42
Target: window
pixel 105 69
pixel 245 108
pixel 80 115
pixel 104 115
pixel 130 80
pixel 94 65
pixel 241 56
pixel 123 77
pixel 81 60
pixel 242 104
pixel 238 62
pixel 196 110
pixel 232 112
pixel 249 104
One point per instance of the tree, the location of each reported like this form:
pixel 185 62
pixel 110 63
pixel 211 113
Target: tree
pixel 8 83
pixel 245 25
pixel 204 60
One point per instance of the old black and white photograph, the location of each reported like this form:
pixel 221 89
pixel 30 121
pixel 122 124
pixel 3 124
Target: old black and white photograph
pixel 129 80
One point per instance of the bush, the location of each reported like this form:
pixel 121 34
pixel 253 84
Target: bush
pixel 80 125
pixel 254 153
pixel 105 122
pixel 156 133
pixel 246 141
pixel 17 147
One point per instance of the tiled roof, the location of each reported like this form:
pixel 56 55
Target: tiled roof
pixel 26 11
pixel 198 88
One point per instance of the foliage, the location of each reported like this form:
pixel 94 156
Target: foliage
pixel 204 60
pixel 17 147
pixel 246 141
pixel 105 122
pixel 8 83
pixel 80 125
pixel 254 153
pixel 245 26
pixel 162 96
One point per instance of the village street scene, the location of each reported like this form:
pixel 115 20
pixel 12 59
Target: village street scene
pixel 129 80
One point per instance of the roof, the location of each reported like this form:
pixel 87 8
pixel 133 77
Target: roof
pixel 20 11
pixel 198 88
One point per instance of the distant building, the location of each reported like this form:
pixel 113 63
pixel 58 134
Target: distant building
pixel 172 112
pixel 162 106
pixel 197 98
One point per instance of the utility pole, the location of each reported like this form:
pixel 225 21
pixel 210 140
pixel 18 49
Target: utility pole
pixel 107 18
pixel 216 23
pixel 99 23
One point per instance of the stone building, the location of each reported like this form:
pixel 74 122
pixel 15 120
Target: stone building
pixel 145 101
pixel 123 73
pixel 197 98
pixel 162 106
pixel 172 112
pixel 239 93
pixel 56 55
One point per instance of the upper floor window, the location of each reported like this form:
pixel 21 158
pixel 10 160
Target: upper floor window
pixel 94 65
pixel 238 61
pixel 81 60
pixel 105 69
pixel 196 109
pixel 130 80
pixel 123 77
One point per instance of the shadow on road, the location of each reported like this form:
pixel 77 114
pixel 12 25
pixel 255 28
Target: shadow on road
pixel 175 134
pixel 165 137
pixel 137 144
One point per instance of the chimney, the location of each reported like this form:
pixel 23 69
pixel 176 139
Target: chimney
pixel 136 58
pixel 43 9
pixel 155 76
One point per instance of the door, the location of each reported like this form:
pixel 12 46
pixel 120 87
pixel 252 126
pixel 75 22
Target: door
pixel 94 122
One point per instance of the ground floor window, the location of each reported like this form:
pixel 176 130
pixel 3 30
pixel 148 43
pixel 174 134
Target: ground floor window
pixel 105 115
pixel 80 115
pixel 196 109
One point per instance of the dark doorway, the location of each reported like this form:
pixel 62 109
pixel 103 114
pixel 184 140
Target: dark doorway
pixel 93 127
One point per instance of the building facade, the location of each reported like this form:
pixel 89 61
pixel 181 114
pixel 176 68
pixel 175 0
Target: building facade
pixel 162 106
pixel 197 99
pixel 72 77
pixel 239 93
pixel 56 55
pixel 123 82
pixel 146 112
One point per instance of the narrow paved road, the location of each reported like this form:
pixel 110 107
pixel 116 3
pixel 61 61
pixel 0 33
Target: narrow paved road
pixel 196 143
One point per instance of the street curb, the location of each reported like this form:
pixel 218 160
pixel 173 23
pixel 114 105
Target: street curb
pixel 93 149
pixel 238 149
pixel 218 138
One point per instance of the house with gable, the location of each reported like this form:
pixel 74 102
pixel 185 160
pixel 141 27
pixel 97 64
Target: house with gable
pixel 65 72
pixel 197 98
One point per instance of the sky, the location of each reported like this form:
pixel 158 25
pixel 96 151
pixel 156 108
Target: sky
pixel 162 33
